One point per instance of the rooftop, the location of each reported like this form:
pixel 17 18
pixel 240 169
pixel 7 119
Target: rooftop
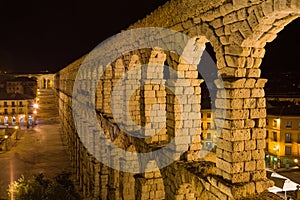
pixel 283 108
pixel 17 96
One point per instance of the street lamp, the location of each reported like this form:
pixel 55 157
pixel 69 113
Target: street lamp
pixel 6 145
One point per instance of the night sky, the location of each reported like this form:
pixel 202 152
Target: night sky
pixel 48 35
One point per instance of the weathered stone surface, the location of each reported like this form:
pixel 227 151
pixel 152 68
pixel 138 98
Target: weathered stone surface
pixel 238 30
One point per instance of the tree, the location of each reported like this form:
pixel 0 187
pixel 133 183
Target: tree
pixel 39 188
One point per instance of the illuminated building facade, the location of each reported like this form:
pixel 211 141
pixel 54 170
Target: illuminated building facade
pixel 282 135
pixel 15 109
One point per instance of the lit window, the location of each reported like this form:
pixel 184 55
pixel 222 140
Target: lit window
pixel 288 138
pixel 288 150
pixel 288 124
pixel 208 145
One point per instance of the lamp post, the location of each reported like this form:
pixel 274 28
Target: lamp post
pixel 16 129
pixel 6 145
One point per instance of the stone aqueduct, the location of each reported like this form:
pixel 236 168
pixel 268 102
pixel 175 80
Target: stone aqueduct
pixel 238 31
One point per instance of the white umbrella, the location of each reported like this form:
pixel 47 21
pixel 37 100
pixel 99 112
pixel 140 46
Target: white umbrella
pixel 274 189
pixel 282 183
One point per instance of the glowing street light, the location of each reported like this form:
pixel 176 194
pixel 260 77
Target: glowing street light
pixel 36 105
pixel 16 128
pixel 6 145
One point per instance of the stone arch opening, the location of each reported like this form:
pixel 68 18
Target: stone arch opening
pixel 240 148
pixel 281 101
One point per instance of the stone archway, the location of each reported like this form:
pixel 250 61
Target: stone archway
pixel 238 32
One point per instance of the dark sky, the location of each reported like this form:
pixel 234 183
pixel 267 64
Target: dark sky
pixel 50 34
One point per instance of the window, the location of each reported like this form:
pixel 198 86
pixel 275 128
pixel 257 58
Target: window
pixel 274 122
pixel 267 122
pixel 267 134
pixel 275 136
pixel 208 115
pixel 208 145
pixel 13 104
pixel 5 111
pixel 5 104
pixel 288 150
pixel 267 146
pixel 288 138
pixel 298 124
pixel 208 136
pixel 13 111
pixel 208 125
pixel 21 104
pixel 288 124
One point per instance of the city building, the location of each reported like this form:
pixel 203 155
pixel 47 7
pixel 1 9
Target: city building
pixel 209 131
pixel 22 85
pixel 282 134
pixel 14 108
pixel 18 100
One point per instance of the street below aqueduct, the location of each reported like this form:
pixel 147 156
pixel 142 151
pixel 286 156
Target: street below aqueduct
pixel 38 149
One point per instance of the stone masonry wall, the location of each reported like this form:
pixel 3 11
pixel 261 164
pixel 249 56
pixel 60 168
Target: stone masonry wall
pixel 238 30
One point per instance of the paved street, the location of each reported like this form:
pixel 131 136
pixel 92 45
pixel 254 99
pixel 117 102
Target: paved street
pixel 39 149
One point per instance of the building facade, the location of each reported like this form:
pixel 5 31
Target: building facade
pixel 16 109
pixel 209 131
pixel 282 140
pixel 22 85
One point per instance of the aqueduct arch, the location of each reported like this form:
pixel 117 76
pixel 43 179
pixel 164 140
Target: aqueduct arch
pixel 238 30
